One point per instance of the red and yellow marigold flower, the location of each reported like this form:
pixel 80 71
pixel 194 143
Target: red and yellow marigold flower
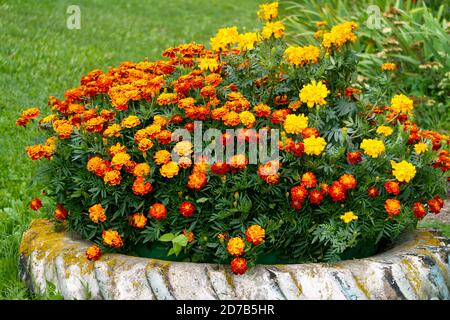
pixel 255 234
pixel 337 192
pixel 238 161
pixel 354 157
pixel 141 187
pixel 61 212
pixel 119 160
pixel 158 211
pixel 419 210
pixel 145 144
pixel 238 265
pixel 112 238
pixel 314 94
pixel 316 197
pixel 141 170
pixel 392 187
pixel 63 128
pixel 189 235
pixel 403 171
pixel 162 157
pixel 112 177
pixel 97 213
pixel 93 253
pixel 35 204
pixel 112 131
pixel 187 209
pixel 393 207
pixel 373 192
pixel 138 220
pixel 348 181
pixel 262 110
pixel 436 204
pixel 220 168
pixel 309 180
pixel 130 122
pixel 197 181
pixel 236 246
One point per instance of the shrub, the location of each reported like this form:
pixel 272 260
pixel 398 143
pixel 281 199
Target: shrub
pixel 351 172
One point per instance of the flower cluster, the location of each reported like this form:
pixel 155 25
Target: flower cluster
pixel 349 171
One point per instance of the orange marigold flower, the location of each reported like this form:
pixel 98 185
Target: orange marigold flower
pixel 112 177
pixel 187 209
pixel 158 211
pixel 238 161
pixel 220 168
pixel 419 210
pixel 239 265
pixel 112 238
pixel 141 170
pixel 97 213
pixel 117 148
pixel 112 131
pixel 392 187
pixel 169 170
pixel 140 187
pixel 436 204
pixel 310 132
pixel 60 212
pixel 299 193
pixel 120 159
pixel 145 144
pixel 236 246
pixel 95 124
pixel 255 234
pixel 197 181
pixel 348 181
pixel 262 110
pixel 138 220
pixel 373 192
pixel 337 192
pixel 36 152
pixel 31 113
pixel 393 207
pixel 316 197
pixel 189 235
pixel 93 253
pixel 63 128
pixel 164 137
pixel 309 180
pixel 231 119
pixel 35 204
pixel 165 99
pixel 354 157
pixel 162 157
pixel 324 188
pixel 131 122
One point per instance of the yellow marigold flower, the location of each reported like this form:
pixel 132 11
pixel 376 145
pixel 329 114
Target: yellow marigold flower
pixel 403 171
pixel 210 64
pixel 183 148
pixel 268 11
pixel 401 104
pixel 169 170
pixel 145 144
pixel 420 147
pixel 231 119
pixel 48 119
pixel 388 66
pixel 348 217
pixel 112 238
pixel 97 213
pixel 93 253
pixel 165 99
pixel 31 113
pixel 314 146
pixel 112 177
pixel 93 163
pixel 117 148
pixel 299 56
pixel 131 122
pixel 295 124
pixel 120 159
pixel 153 129
pixel 247 118
pixel 224 38
pixel 138 220
pixel 339 35
pixel 162 157
pixel 160 120
pixel 236 246
pixel 273 28
pixel 372 147
pixel 385 130
pixel 141 170
pixel 314 94
pixel 246 41
pixel 112 131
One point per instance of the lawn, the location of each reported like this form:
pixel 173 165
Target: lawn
pixel 40 56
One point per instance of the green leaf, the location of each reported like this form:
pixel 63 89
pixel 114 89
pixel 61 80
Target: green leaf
pixel 167 237
pixel 202 200
pixel 176 249
pixel 180 240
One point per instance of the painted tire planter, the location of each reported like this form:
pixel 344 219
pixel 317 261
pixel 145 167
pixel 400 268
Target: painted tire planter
pixel 418 267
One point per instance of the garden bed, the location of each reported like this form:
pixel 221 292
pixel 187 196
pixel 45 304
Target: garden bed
pixel 418 267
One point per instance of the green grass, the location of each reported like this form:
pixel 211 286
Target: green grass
pixel 40 57
pixel 435 224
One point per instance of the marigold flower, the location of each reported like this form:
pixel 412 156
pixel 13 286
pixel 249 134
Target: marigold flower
pixel 393 207
pixel 95 124
pixel 224 37
pixel 299 56
pixel 145 144
pixel 112 131
pixel 436 204
pixel 392 187
pixel 255 234
pixel 162 157
pixel 236 246
pixel 63 128
pixel 388 66
pixel 119 160
pixel 348 217
pixel 262 110
pixel 117 148
pixel 420 148
pixel 314 146
pixel 169 170
pixel 184 162
pixel 231 119
pixel 140 187
pixel 197 181
pixel 295 124
pixel 97 213
pixel 246 41
pixel 419 210
pixel 337 192
pixel 35 204
pixel 210 64
pixel 314 94
pixel 183 148
pixel 93 253
pixel 31 113
pixel 339 35
pixel 401 104
pixel 385 130
pixel 348 181
pixel 403 171
pixel 269 172
pixel 61 212
pixel 354 157
pixel 158 211
pixel 189 235
pixel 268 11
pixel 373 192
pixel 130 122
pixel 238 161
pixel 316 197
pixel 238 266
pixel 187 209
pixel 141 170
pixel 138 220
pixel 372 147
pixel 247 118
pixel 273 28
pixel 36 152
pixel 309 180
pixel 112 238
pixel 165 99
pixel 112 177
